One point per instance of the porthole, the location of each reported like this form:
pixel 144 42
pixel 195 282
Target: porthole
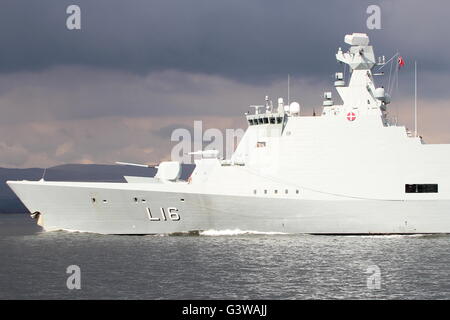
pixel 105 201
pixel 182 200
pixel 93 200
pixel 143 200
pixel 135 199
pixel 297 191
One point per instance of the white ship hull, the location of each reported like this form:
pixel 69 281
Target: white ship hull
pixel 347 171
pixel 120 214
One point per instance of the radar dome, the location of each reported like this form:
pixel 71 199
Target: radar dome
pixel 294 107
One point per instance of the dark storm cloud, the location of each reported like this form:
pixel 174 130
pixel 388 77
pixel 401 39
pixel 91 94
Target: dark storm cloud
pixel 234 38
pixel 247 40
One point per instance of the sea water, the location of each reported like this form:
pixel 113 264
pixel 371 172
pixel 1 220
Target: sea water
pixel 219 264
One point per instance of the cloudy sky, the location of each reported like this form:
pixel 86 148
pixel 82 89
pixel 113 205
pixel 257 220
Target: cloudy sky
pixel 137 69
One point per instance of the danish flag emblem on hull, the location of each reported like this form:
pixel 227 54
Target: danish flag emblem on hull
pixel 351 116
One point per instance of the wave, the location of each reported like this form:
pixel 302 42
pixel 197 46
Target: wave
pixel 235 232
pixel 412 235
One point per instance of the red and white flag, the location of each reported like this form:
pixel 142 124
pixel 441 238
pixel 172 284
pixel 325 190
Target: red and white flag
pixel 400 62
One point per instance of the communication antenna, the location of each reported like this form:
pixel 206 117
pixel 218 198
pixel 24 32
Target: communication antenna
pixel 396 76
pixel 415 98
pixel 289 87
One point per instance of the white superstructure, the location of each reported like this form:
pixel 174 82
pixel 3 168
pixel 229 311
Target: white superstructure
pixel 346 171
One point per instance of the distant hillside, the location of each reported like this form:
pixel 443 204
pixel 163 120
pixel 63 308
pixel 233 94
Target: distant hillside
pixel 9 203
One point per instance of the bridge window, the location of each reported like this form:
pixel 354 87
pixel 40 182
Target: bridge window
pixel 266 120
pixel 421 188
pixel 279 119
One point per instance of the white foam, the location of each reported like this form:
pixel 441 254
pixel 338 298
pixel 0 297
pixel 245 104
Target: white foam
pixel 235 232
pixel 69 230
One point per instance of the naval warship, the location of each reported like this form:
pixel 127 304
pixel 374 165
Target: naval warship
pixel 348 170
